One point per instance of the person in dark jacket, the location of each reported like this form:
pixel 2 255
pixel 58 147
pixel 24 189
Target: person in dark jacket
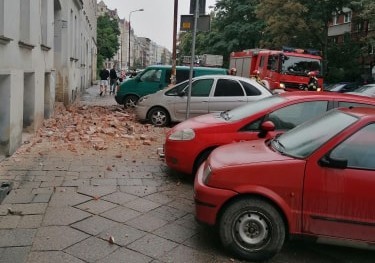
pixel 113 80
pixel 104 74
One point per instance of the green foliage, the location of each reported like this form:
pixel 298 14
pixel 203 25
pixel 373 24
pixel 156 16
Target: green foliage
pixel 234 27
pixel 107 38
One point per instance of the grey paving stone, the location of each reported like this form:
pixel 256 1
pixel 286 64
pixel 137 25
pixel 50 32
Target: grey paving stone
pixel 58 216
pixel 129 182
pixel 184 204
pixel 138 190
pixel 119 198
pixel 115 174
pixel 30 221
pixel 160 198
pixel 14 254
pixel 52 256
pixel 96 206
pixel 121 214
pixel 92 249
pixel 183 254
pixel 57 181
pixel 42 198
pixel 9 221
pixel 67 198
pixel 122 234
pixel 16 237
pixel 23 209
pixel 152 246
pixel 142 205
pixel 104 182
pixel 147 222
pixel 97 191
pixel 189 221
pixel 76 182
pixel 90 175
pixel 56 238
pixel 94 225
pixel 167 213
pixel 19 196
pixel 175 232
pixel 124 255
pixel 139 175
pixel 27 184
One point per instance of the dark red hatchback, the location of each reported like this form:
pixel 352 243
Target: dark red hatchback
pixel 315 180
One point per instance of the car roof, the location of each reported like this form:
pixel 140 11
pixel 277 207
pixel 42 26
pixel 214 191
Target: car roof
pixel 324 95
pixel 362 112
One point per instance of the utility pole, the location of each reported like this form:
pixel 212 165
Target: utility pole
pixel 174 53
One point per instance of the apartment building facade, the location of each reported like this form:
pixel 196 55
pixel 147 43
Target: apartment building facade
pixel 47 54
pixel 346 25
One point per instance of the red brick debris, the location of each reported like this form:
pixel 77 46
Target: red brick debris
pixel 81 127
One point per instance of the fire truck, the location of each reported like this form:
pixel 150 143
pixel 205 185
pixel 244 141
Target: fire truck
pixel 286 69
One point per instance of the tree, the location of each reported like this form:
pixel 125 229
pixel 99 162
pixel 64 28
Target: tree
pixel 234 27
pixel 107 38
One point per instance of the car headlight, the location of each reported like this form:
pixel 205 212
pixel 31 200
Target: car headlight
pixel 182 135
pixel 207 172
pixel 282 86
pixel 144 98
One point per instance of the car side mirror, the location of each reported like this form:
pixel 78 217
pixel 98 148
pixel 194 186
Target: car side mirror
pixel 181 93
pixel 328 161
pixel 266 127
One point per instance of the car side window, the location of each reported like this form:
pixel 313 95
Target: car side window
pixel 228 88
pixel 358 149
pixel 152 75
pixel 290 116
pixel 354 104
pixel 177 89
pixel 201 88
pixel 250 89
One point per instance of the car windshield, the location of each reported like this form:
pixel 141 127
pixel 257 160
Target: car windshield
pixel 251 108
pixel 366 89
pixel 335 87
pixel 299 65
pixel 303 140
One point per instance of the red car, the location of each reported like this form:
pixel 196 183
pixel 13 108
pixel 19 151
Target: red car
pixel 316 180
pixel 189 143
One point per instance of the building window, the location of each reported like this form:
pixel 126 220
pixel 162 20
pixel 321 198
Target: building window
pixel 44 22
pixel 347 17
pixel 2 18
pixel 25 21
pixel 334 20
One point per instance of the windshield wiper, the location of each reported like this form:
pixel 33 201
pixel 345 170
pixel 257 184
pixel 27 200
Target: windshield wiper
pixel 278 145
pixel 225 115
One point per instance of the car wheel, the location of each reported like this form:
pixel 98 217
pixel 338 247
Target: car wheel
pixel 159 117
pixel 203 157
pixel 252 229
pixel 130 101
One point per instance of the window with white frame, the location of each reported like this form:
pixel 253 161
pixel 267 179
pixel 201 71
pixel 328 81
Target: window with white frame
pixel 347 17
pixel 334 19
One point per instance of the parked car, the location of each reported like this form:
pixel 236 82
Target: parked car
pixel 343 87
pixel 210 93
pixel 316 180
pixel 154 78
pixel 365 90
pixel 189 143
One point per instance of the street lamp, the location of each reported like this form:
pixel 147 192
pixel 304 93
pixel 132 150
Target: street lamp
pixel 138 10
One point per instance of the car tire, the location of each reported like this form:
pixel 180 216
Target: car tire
pixel 159 117
pixel 130 101
pixel 252 229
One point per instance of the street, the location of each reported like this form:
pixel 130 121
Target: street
pixel 89 187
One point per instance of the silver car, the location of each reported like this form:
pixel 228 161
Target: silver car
pixel 211 93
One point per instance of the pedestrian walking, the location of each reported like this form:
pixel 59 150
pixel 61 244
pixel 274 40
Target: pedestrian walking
pixel 113 80
pixel 104 75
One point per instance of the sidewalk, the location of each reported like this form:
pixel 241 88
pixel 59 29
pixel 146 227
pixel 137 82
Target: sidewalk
pixel 72 202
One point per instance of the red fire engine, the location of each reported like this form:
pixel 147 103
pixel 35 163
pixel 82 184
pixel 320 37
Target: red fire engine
pixel 279 69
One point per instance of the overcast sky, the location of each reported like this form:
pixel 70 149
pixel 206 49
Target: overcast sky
pixel 156 21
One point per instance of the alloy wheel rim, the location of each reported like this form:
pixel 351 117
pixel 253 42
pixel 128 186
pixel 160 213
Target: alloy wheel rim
pixel 158 118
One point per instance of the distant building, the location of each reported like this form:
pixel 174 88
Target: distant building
pixel 346 25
